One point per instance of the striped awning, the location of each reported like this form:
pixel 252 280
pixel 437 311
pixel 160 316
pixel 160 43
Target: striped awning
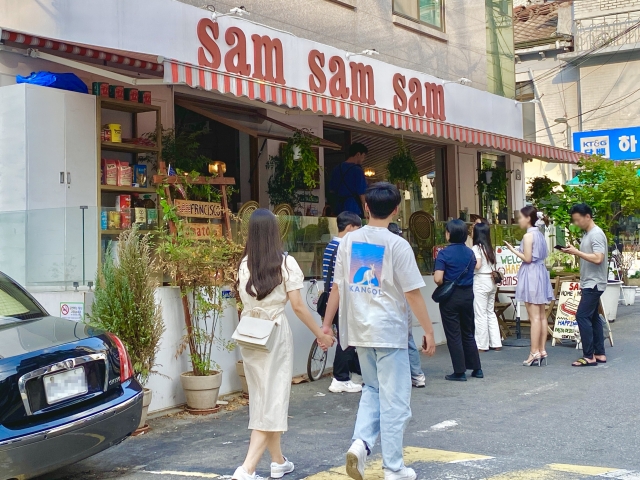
pixel 212 80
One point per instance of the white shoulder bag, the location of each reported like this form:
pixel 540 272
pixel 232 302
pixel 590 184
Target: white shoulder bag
pixel 254 332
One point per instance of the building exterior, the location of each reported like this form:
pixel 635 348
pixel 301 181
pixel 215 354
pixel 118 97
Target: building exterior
pixel 579 59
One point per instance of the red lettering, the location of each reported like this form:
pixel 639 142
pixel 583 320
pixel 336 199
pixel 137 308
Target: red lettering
pixel 235 61
pixel 362 88
pixel 435 101
pixel 400 98
pixel 273 59
pixel 416 104
pixel 338 83
pixel 208 32
pixel 317 79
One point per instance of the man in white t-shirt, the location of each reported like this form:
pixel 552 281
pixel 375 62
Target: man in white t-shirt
pixel 375 272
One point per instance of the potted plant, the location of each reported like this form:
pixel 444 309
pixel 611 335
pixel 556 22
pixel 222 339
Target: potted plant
pixel 540 188
pixel 402 170
pixel 125 304
pixel 625 261
pixel 200 268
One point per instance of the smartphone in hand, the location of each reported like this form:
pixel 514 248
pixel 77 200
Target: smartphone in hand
pixel 559 247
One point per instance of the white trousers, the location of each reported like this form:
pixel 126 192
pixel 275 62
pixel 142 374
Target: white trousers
pixel 487 328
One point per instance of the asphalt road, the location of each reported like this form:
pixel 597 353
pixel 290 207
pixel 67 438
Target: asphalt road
pixel 516 423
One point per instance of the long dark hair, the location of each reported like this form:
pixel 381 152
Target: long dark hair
pixel 482 238
pixel 264 254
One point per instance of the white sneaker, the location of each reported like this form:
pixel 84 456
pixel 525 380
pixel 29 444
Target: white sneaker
pixel 356 460
pixel 420 381
pixel 338 387
pixel 357 379
pixel 280 470
pixel 241 474
pixel 405 474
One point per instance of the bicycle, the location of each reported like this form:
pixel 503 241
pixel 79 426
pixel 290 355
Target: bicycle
pixel 313 294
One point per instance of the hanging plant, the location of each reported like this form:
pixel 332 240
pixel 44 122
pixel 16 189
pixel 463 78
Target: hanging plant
pixel 493 181
pixel 402 169
pixel 296 168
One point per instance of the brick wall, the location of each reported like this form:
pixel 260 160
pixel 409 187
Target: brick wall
pixel 590 8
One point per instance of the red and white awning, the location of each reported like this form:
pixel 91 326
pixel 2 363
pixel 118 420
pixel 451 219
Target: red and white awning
pixel 141 61
pixel 212 80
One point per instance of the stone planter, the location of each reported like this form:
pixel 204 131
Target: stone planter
pixel 243 379
pixel 146 401
pixel 629 294
pixel 610 299
pixel 633 282
pixel 201 392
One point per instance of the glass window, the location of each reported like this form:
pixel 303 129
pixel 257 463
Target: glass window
pixel 430 12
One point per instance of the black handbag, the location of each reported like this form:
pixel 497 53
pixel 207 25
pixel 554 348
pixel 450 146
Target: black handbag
pixel 444 292
pixel 321 306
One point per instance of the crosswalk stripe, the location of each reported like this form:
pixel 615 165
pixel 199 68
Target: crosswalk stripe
pixel 535 474
pixel 183 474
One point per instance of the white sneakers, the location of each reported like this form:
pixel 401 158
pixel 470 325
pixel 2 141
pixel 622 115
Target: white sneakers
pixel 277 471
pixel 348 387
pixel 241 474
pixel 356 460
pixel 405 474
pixel 280 470
pixel 420 381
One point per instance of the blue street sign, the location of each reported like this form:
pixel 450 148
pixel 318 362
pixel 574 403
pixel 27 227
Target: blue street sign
pixel 616 144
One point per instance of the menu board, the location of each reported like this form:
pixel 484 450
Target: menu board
pixel 508 264
pixel 566 327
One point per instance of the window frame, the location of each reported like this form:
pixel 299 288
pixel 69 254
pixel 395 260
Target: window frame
pixel 441 28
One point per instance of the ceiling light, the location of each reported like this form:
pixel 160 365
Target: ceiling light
pixel 369 172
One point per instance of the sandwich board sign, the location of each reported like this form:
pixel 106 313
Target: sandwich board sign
pixel 566 326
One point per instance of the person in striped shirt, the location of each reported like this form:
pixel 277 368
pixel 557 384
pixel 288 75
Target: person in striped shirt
pixel 346 361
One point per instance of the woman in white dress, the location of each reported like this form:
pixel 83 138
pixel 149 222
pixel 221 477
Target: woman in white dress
pixel 267 279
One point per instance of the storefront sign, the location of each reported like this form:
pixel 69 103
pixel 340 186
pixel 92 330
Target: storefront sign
pixel 194 209
pixel 204 231
pixel 72 311
pixel 508 264
pixel 566 327
pixel 616 144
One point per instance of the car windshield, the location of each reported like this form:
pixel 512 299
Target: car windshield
pixel 15 303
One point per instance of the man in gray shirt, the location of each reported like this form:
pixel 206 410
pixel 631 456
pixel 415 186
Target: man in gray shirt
pixel 594 270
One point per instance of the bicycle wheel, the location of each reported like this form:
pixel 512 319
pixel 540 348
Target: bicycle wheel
pixel 317 362
pixel 313 293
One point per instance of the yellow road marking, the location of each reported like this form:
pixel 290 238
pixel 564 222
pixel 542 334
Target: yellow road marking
pixel 415 454
pixel 534 474
pixel 583 470
pixel 183 474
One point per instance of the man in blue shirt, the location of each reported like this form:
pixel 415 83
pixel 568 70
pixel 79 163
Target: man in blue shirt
pixel 346 360
pixel 348 182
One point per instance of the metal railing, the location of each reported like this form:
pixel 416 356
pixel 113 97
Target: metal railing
pixel 598 31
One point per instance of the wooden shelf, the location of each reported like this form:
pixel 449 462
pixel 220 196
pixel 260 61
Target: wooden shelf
pixel 118 232
pixel 126 105
pixel 128 147
pixel 119 188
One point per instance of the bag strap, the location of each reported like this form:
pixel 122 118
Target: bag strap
pixel 473 257
pixel 330 269
pixel 492 265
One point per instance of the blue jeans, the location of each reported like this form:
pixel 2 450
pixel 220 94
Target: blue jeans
pixel 385 407
pixel 414 357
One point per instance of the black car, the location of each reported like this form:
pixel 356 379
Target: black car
pixel 67 390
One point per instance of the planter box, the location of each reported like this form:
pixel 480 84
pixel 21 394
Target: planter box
pixel 610 299
pixel 629 294
pixel 633 282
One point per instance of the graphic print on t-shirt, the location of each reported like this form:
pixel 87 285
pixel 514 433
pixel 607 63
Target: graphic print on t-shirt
pixel 366 267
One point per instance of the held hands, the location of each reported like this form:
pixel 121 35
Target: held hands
pixel 325 341
pixel 428 345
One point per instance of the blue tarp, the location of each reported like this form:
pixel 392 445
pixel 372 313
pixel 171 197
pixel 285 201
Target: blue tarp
pixel 63 81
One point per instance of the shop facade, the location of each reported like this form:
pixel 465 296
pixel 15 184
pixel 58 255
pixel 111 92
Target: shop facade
pixel 249 86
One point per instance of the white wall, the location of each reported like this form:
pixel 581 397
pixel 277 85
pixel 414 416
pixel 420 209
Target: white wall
pixel 167 391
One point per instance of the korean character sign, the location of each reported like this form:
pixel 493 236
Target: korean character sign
pixel 615 144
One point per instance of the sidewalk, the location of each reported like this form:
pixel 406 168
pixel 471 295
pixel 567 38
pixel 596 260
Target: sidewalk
pixel 525 419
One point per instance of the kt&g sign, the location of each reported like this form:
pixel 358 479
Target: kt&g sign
pixel 616 144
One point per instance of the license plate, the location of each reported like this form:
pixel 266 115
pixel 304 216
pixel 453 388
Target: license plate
pixel 64 385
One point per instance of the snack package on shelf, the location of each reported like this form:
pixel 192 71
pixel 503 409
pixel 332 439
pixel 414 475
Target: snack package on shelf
pixel 147 202
pixel 116 91
pixel 140 175
pixel 125 174
pixel 100 89
pixel 104 220
pixel 123 203
pixel 114 220
pixel 144 97
pixel 125 219
pixel 110 171
pixel 131 94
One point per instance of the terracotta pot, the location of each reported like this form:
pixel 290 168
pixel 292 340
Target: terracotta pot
pixel 243 379
pixel 201 392
pixel 146 401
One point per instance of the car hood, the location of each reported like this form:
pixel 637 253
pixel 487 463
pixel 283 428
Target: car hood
pixel 37 334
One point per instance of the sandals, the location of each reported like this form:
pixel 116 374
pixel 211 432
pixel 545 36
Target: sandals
pixel 601 361
pixel 583 362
